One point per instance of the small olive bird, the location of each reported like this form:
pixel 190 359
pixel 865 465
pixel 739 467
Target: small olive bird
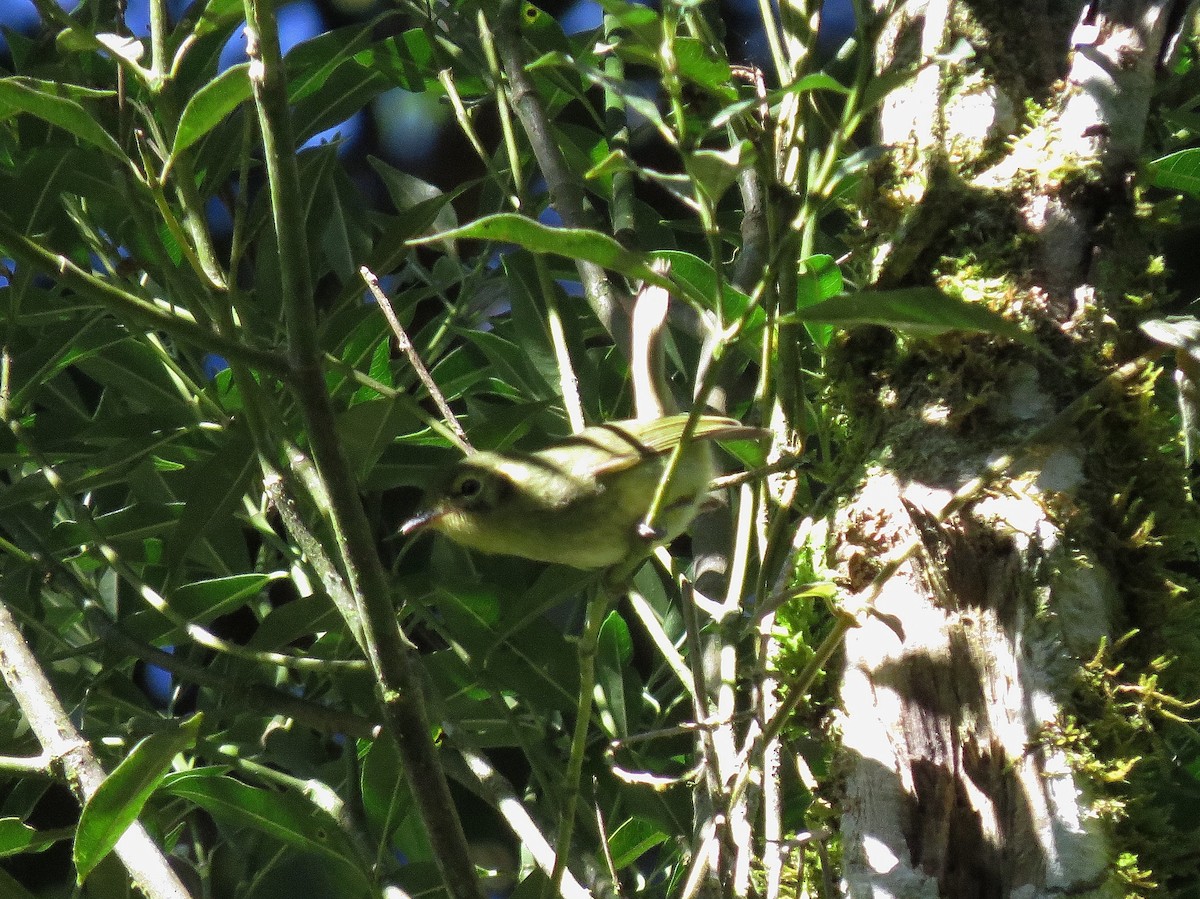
pixel 582 501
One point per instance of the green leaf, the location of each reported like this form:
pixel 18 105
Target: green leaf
pixel 885 82
pixel 311 63
pixel 140 375
pixel 287 817
pixel 407 60
pixel 542 29
pixel 386 799
pixel 420 204
pixel 632 840
pixel 641 21
pixel 750 453
pixel 696 278
pixel 697 63
pixel 816 81
pixel 120 798
pixel 17 837
pixel 509 362
pixel 80 39
pixel 135 522
pixel 820 279
pixel 1177 171
pixel 52 102
pixel 211 105
pixel 214 597
pixel 211 493
pixel 325 83
pixel 522 288
pixel 11 889
pixel 291 621
pixel 573 243
pixel 924 311
pixel 715 171
pixel 613 655
pixel 367 429
pixel 216 16
pixel 341 227
pixel 199 602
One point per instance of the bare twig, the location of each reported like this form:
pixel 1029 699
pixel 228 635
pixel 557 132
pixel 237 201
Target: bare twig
pixel 410 353
pixel 603 831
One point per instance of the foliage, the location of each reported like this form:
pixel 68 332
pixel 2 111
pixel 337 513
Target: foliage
pixel 174 524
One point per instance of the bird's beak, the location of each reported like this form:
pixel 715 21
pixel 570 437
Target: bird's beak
pixel 420 521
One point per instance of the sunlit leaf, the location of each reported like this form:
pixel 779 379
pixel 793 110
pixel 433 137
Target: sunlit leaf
pixel 632 839
pixel 924 311
pixel 17 837
pixel 54 103
pixel 573 243
pixel 211 105
pixel 1177 171
pixel 119 799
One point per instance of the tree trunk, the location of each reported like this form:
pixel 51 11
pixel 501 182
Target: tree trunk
pixel 1007 183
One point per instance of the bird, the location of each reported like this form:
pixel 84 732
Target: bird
pixel 583 500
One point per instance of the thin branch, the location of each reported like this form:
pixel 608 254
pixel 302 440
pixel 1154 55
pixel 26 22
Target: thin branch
pixel 126 305
pixel 410 353
pixel 391 655
pixel 589 640
pixel 259 697
pixel 566 192
pixel 50 723
pixel 616 123
pixel 23 765
pixel 477 773
pixel 312 548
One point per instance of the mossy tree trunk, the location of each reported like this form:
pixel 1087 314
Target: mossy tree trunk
pixel 980 712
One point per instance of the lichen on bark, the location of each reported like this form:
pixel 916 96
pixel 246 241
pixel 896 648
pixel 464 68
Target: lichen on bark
pixel 970 768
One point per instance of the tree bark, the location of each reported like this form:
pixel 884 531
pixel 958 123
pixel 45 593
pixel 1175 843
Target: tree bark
pixel 1011 149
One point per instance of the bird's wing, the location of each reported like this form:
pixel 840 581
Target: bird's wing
pixel 631 441
pixel 661 435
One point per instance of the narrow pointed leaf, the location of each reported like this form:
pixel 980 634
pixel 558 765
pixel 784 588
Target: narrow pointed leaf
pixel 573 243
pixel 51 102
pixel 120 798
pixel 923 311
pixel 211 105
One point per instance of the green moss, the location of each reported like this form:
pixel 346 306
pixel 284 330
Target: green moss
pixel 1125 733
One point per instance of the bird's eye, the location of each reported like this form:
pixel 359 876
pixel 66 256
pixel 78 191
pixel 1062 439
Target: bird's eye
pixel 469 487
